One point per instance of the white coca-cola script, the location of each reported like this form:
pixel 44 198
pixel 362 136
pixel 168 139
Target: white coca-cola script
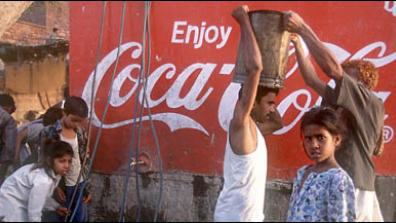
pixel 201 86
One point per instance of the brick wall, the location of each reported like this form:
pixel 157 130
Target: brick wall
pixel 30 33
pixel 10 11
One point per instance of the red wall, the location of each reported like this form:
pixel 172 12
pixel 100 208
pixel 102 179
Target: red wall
pixel 190 88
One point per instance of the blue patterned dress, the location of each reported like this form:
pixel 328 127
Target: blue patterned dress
pixel 328 196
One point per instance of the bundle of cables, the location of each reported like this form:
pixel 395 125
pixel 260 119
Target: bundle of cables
pixel 142 83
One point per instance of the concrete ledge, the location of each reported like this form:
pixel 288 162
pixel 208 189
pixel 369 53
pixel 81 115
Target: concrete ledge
pixel 188 197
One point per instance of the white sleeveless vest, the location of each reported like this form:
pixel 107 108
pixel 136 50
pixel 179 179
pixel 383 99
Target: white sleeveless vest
pixel 243 193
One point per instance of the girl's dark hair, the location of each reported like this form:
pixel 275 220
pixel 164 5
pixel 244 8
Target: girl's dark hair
pixel 322 116
pixel 51 151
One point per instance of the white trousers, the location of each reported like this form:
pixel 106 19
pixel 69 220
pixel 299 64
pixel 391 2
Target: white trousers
pixel 367 207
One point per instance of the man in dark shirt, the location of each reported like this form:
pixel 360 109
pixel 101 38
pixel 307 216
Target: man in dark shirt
pixel 8 132
pixel 361 110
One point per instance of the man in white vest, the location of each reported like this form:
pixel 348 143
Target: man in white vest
pixel 245 161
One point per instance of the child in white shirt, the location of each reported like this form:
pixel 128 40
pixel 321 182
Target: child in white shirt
pixel 29 190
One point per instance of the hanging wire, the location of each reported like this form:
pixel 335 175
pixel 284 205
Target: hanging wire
pixel 104 113
pixel 152 127
pixel 93 99
pixel 145 101
pixel 134 128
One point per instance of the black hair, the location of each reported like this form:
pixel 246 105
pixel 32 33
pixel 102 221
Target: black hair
pixel 6 100
pixel 51 151
pixel 322 116
pixel 76 106
pixel 261 92
pixel 52 115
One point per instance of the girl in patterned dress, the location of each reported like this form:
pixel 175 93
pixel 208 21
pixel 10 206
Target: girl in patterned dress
pixel 322 191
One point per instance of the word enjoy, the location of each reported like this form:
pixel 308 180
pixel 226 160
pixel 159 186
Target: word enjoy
pixel 183 33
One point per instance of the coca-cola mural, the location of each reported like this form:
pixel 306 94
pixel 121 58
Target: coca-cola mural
pixel 189 89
